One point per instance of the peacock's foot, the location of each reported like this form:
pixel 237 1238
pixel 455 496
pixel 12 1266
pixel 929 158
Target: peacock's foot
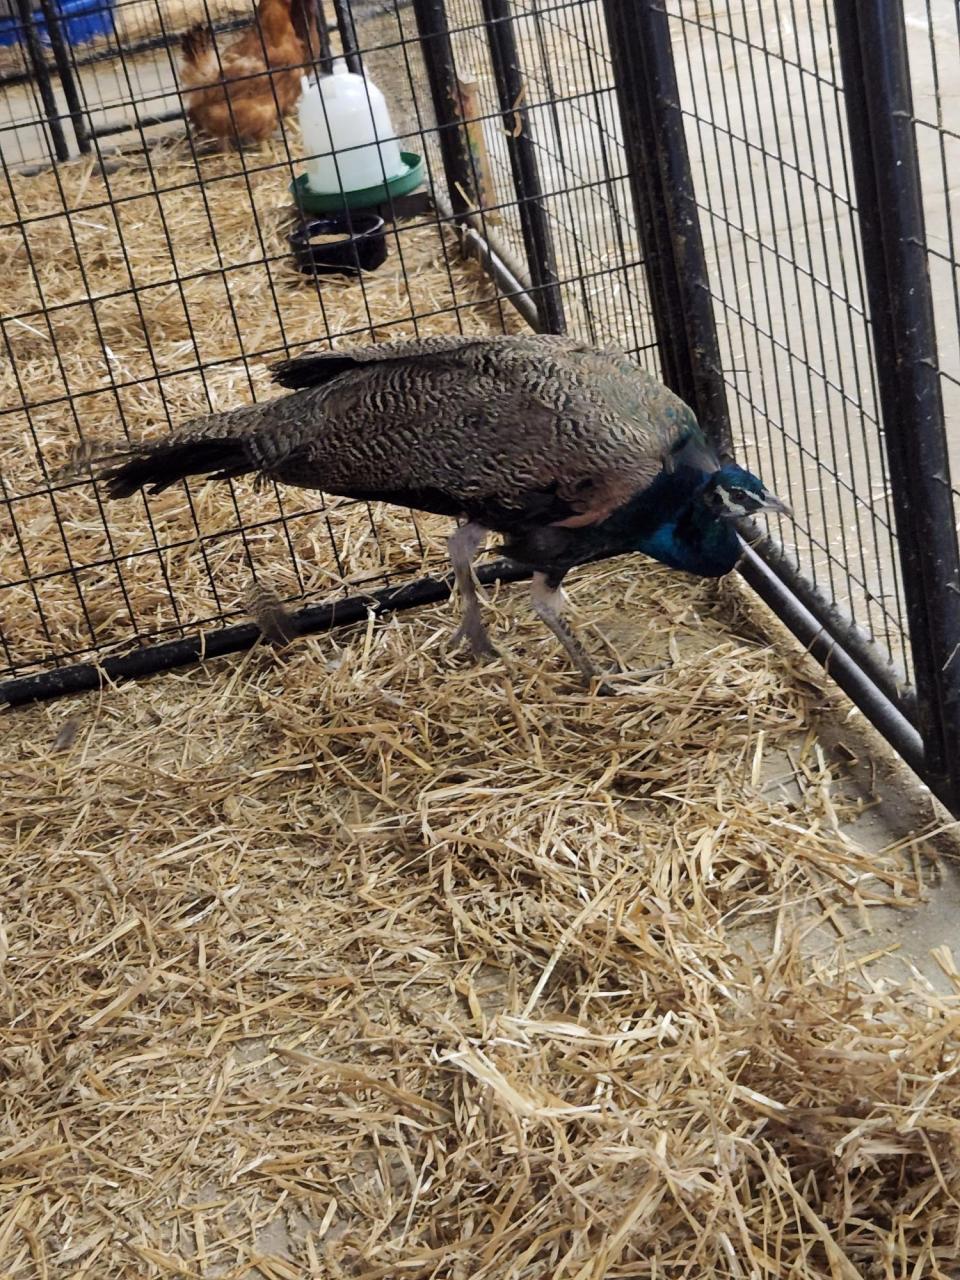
pixel 472 633
pixel 625 680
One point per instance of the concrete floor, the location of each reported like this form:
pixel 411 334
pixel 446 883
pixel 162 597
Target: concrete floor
pixel 108 90
pixel 896 945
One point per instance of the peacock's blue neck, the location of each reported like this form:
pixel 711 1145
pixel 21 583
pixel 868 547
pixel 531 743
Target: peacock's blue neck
pixel 670 522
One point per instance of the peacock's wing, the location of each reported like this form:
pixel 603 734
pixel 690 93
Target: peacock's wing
pixel 533 429
pixel 314 368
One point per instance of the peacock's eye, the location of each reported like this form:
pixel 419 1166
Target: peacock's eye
pixel 737 494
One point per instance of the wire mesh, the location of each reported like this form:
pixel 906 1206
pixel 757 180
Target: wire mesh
pixel 155 283
pixel 933 31
pixel 569 100
pixel 191 326
pixel 763 98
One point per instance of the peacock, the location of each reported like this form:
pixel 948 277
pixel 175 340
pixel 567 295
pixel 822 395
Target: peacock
pixel 570 452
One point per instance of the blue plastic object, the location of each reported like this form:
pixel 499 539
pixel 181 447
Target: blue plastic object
pixel 80 20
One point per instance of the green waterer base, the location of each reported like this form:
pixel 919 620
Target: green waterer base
pixel 335 201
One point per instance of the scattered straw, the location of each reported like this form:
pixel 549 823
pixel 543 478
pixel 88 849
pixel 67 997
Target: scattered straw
pixel 355 960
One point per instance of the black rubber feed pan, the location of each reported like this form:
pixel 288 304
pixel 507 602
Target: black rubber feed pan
pixel 336 244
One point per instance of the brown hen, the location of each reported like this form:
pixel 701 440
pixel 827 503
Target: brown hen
pixel 241 97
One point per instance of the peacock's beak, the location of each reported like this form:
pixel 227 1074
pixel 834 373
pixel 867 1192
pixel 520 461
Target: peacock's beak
pixel 772 503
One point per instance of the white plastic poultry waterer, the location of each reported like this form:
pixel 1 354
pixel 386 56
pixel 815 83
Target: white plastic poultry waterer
pixel 354 157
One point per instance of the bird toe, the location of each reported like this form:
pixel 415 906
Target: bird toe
pixel 627 680
pixel 474 638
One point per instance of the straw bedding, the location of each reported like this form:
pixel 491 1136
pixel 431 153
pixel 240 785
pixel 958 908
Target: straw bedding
pixel 354 960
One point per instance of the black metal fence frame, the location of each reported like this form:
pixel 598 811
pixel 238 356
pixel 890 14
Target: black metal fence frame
pixel 923 726
pixel 873 51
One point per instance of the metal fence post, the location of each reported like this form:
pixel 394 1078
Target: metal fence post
pixel 463 181
pixel 61 57
pixel 434 33
pixel 663 196
pixel 886 172
pixel 537 237
pixel 41 73
pixel 348 37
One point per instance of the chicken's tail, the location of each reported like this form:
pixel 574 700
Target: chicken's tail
pixel 157 466
pixel 196 45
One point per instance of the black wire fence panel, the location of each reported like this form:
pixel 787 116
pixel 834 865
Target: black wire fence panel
pixel 567 108
pixel 158 282
pixel 762 96
pixel 933 28
pixel 155 283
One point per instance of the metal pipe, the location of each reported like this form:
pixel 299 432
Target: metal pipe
pixel 139 122
pixel 348 36
pixel 826 649
pixel 661 184
pixel 837 662
pixel 886 171
pixel 858 645
pixel 511 289
pixel 41 74
pixel 431 18
pixel 324 53
pixel 65 71
pixel 85 677
pixel 497 262
pixel 534 223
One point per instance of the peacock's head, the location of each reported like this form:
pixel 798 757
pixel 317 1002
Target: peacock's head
pixel 732 492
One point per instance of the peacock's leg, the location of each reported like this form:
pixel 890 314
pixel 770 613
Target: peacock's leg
pixel 463 545
pixel 548 602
